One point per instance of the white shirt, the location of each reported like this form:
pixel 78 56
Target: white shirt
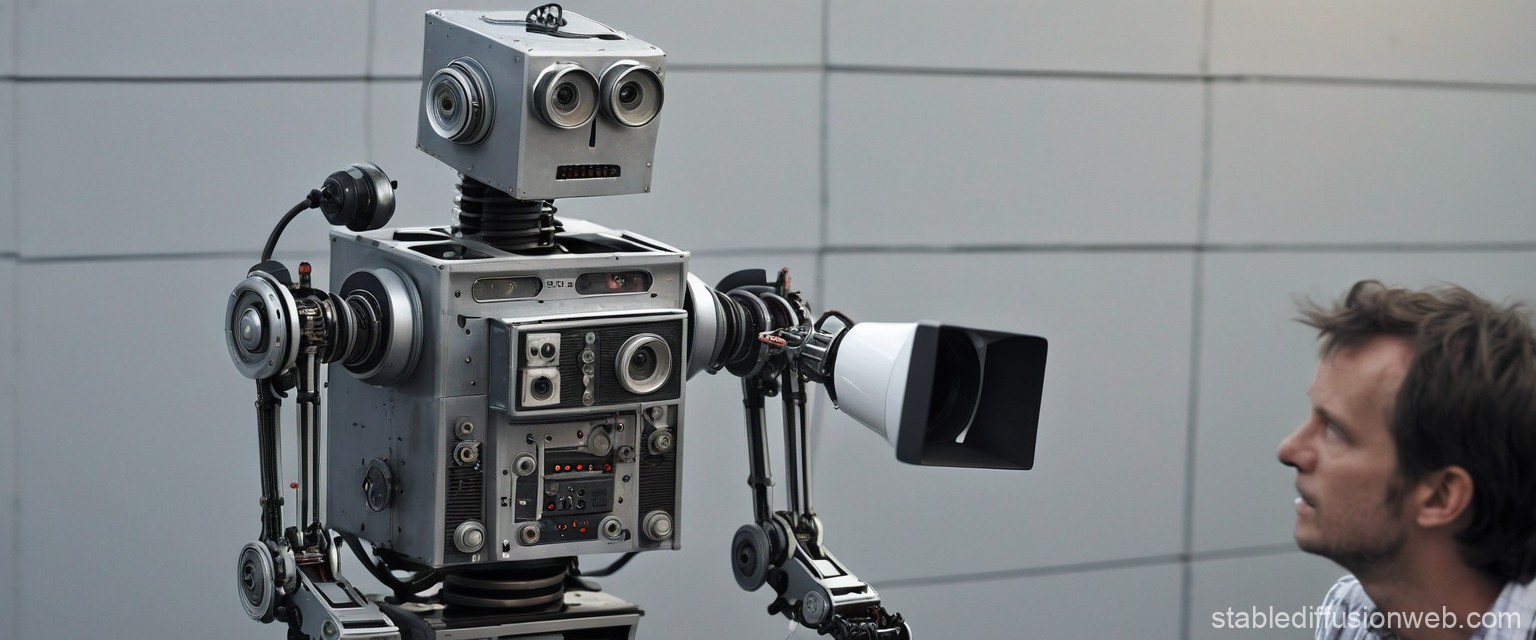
pixel 1348 614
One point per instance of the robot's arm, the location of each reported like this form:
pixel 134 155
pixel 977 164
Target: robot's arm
pixel 784 549
pixel 279 332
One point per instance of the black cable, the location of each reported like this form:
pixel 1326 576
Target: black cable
pixel 310 202
pixel 403 589
pixel 612 568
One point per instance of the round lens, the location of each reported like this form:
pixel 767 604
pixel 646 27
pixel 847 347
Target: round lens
pixel 548 350
pixel 632 93
pixel 642 365
pixel 446 96
pixel 458 102
pixel 629 94
pixel 542 388
pixel 565 96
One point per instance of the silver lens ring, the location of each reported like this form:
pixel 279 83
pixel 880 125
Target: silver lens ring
pixel 706 326
pixel 566 96
pixel 258 327
pixel 397 329
pixel 458 102
pixel 649 377
pixel 632 93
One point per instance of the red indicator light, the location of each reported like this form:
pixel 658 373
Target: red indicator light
pixel 567 467
pixel 581 530
pixel 607 467
pixel 578 467
pixel 293 485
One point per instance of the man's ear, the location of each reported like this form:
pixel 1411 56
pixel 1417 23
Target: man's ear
pixel 1442 497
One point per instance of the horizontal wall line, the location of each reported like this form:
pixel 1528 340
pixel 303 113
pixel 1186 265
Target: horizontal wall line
pixel 253 255
pixel 768 251
pixel 1087 567
pixel 1514 87
pixel 324 252
pixel 685 66
pixel 1458 85
pixel 1184 77
pixel 674 66
pixel 1177 247
pixel 1368 247
pixel 1012 73
pixel 1436 247
pixel 199 79
pixel 185 79
pixel 1258 551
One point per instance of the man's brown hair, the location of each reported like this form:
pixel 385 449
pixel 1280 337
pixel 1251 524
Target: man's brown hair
pixel 1468 400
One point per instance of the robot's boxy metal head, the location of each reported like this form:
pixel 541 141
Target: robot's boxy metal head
pixel 540 109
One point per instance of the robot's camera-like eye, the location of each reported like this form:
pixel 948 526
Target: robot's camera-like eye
pixel 458 102
pixel 644 363
pixel 632 94
pixel 629 95
pixel 542 388
pixel 566 96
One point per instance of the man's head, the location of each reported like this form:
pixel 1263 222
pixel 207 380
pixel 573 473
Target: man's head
pixel 1423 424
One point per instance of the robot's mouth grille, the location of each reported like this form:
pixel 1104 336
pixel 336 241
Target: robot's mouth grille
pixel 586 171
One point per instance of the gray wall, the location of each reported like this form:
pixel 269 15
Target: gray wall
pixel 1149 184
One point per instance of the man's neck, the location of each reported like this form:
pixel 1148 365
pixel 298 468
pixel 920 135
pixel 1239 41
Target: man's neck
pixel 1435 583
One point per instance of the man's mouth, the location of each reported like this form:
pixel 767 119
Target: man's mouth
pixel 1303 499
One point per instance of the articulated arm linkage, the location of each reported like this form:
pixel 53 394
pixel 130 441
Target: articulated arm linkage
pixel 784 549
pixel 293 575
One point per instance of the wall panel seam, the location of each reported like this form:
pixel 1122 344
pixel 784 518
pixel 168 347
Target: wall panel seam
pixel 1223 79
pixel 1518 88
pixel 824 179
pixel 14 201
pixel 1207 18
pixel 13 504
pixel 1476 247
pixel 1197 324
pixel 1176 247
pixel 1078 568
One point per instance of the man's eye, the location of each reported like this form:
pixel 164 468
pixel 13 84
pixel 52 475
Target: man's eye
pixel 1333 429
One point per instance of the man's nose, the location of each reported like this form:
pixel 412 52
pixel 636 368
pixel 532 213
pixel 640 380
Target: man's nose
pixel 1293 451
